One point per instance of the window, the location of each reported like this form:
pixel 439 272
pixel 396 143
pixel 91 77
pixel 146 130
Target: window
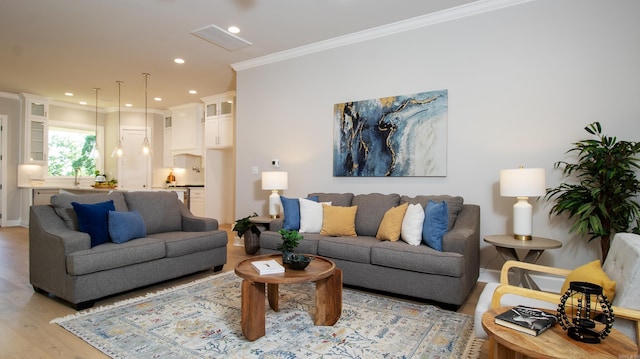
pixel 70 147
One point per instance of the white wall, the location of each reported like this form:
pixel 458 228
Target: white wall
pixel 523 82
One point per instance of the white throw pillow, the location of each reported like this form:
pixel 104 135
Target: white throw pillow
pixel 412 225
pixel 310 216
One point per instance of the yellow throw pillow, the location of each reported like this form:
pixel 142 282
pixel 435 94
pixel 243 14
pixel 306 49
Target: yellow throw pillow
pixel 338 221
pixel 592 273
pixel 391 224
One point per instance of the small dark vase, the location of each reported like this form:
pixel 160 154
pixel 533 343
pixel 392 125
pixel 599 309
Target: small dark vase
pixel 286 256
pixel 251 242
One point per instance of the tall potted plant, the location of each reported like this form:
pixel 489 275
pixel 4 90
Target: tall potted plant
pixel 602 202
pixel 244 227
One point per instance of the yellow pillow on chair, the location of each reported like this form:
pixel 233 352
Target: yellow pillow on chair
pixel 592 273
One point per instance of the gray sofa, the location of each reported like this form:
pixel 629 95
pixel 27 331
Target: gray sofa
pixel 397 267
pixel 63 263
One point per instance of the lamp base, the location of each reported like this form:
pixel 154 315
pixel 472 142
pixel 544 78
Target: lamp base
pixel 523 237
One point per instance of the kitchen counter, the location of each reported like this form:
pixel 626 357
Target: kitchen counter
pixel 43 194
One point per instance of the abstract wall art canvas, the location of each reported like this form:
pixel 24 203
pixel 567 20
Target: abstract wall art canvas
pixel 398 136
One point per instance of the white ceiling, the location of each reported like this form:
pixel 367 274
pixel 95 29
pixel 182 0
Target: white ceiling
pixel 56 46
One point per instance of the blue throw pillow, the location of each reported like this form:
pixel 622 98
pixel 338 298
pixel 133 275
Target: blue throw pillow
pixel 124 226
pixel 436 222
pixel 92 219
pixel 291 209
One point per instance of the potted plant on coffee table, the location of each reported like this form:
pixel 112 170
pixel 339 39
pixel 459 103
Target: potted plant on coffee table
pixel 603 201
pixel 290 239
pixel 244 227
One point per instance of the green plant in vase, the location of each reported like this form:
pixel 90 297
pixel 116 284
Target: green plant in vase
pixel 603 201
pixel 290 240
pixel 244 227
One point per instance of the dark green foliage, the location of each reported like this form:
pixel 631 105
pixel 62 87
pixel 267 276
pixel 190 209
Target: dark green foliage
pixel 603 202
pixel 244 224
pixel 290 239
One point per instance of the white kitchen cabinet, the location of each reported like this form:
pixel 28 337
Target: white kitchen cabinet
pixel 219 120
pixel 35 124
pixel 186 129
pixel 196 201
pixel 167 156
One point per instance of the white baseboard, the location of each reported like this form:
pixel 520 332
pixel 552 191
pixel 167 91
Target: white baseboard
pixel 545 282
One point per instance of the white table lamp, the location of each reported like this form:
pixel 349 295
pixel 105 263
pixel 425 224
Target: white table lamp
pixel 522 183
pixel 274 181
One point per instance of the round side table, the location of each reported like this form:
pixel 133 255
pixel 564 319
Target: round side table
pixel 506 246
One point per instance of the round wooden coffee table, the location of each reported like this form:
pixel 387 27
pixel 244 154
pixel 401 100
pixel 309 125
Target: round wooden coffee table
pixel 328 280
pixel 552 343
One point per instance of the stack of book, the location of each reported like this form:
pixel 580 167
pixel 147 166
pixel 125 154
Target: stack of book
pixel 526 319
pixel 267 267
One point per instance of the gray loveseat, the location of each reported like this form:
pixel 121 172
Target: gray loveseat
pixel 445 276
pixel 63 263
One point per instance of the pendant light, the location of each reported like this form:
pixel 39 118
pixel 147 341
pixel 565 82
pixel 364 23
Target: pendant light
pixel 118 151
pixel 146 146
pixel 95 152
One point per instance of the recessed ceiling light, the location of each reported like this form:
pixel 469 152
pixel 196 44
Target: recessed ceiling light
pixel 233 29
pixel 178 61
pixel 83 102
pixel 128 105
pixel 193 92
pixel 68 94
pixel 157 98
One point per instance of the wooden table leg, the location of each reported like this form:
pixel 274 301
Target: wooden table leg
pixel 329 299
pixel 272 293
pixel 253 321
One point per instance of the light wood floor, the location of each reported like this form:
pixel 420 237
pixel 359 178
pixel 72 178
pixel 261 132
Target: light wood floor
pixel 25 331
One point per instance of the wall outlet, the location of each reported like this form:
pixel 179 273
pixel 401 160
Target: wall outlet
pixel 275 163
pixel 255 170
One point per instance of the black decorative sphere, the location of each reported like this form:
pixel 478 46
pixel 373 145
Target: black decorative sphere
pixel 585 313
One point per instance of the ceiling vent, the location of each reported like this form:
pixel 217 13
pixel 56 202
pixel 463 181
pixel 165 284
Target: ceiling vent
pixel 221 37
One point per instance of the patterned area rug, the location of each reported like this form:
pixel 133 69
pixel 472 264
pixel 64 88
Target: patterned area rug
pixel 202 320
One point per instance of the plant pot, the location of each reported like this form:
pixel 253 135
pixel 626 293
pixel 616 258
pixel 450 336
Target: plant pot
pixel 286 255
pixel 251 242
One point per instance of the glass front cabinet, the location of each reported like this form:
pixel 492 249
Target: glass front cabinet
pixel 36 112
pixel 219 120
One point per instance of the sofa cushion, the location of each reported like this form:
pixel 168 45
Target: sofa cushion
pixel 93 219
pixel 454 204
pixel 160 210
pixel 421 258
pixel 291 209
pixel 310 216
pixel 412 224
pixel 113 255
pixel 336 199
pixel 338 221
pixel 391 224
pixel 183 243
pixel 371 209
pixel 435 224
pixel 308 244
pixel 125 226
pixel 354 249
pixel 62 204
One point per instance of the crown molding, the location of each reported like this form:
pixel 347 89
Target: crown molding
pixel 471 9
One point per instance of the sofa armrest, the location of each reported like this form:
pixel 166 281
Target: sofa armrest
pixel 464 237
pixel 276 224
pixel 191 223
pixel 50 241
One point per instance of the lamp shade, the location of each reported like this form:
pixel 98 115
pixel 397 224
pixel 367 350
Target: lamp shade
pixel 275 180
pixel 522 182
